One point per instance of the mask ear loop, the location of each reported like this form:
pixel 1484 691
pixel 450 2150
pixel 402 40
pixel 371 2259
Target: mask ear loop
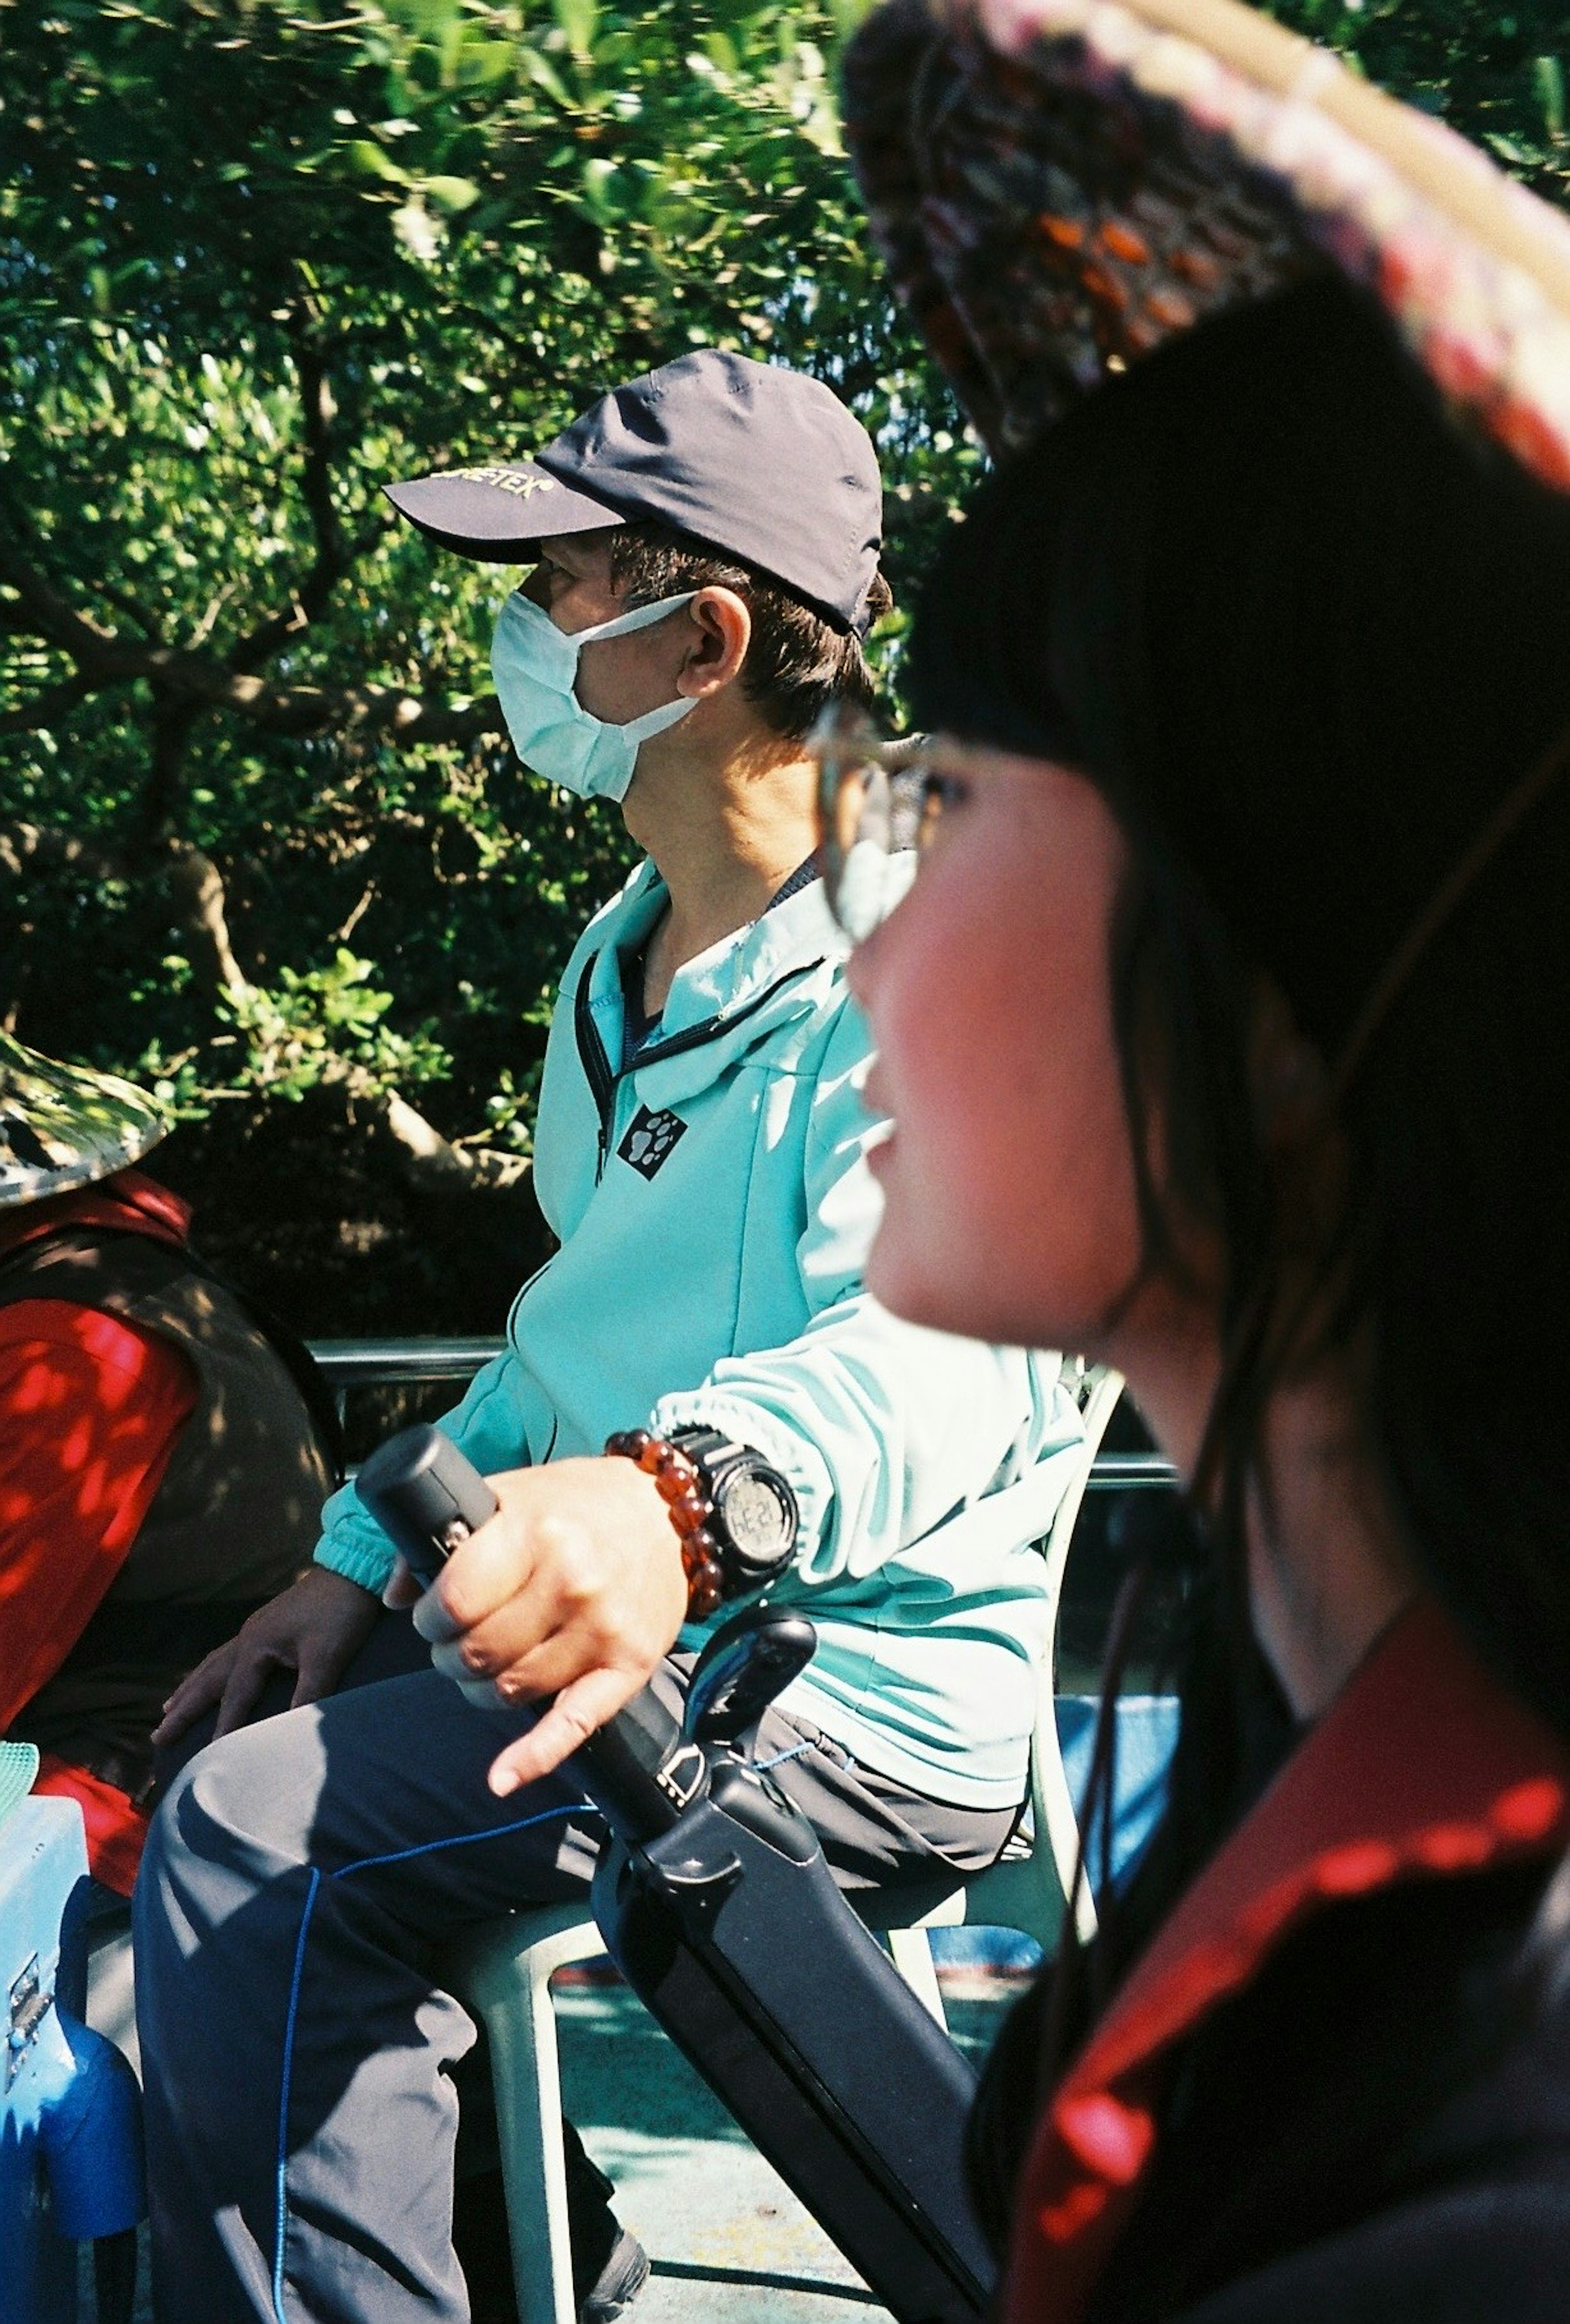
pixel 624 625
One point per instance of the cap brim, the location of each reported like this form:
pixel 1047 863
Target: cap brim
pixel 63 1125
pixel 1057 187
pixel 498 514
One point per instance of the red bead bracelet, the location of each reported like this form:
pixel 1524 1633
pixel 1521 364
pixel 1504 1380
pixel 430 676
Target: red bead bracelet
pixel 681 1487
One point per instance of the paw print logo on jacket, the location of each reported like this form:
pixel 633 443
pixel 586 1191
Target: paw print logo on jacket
pixel 651 1140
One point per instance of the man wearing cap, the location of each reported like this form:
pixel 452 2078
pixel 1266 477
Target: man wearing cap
pixel 704 549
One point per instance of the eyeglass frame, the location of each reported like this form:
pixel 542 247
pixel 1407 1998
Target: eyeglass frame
pixel 900 801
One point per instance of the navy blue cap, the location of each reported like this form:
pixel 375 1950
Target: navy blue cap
pixel 759 461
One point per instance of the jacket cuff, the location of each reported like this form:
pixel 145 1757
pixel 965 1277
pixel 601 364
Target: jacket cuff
pixel 367 1559
pixel 800 1464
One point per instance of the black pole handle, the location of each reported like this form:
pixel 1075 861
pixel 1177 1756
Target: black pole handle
pixel 428 1497
pixel 742 1668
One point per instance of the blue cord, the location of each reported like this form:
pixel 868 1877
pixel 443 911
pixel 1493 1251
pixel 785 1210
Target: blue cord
pixel 361 1864
pixel 794 1752
pixel 283 2091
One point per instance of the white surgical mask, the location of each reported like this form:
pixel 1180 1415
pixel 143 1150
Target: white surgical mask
pixel 535 666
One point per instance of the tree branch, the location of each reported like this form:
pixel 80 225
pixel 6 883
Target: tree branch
pixel 193 878
pixel 106 656
pixel 431 1160
pixel 332 557
pixel 23 844
pixel 173 720
pixel 198 888
pixel 45 709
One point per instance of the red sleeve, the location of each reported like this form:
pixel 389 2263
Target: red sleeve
pixel 91 1408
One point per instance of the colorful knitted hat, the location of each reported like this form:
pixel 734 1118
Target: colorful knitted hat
pixel 64 1126
pixel 1059 185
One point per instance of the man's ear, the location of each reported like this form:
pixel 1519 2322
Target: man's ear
pixel 722 632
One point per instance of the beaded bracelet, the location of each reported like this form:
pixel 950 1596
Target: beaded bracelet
pixel 679 1486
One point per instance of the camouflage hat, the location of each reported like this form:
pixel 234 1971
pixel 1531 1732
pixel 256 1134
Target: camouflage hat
pixel 64 1126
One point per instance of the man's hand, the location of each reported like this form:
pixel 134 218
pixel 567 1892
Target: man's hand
pixel 315 1628
pixel 573 1588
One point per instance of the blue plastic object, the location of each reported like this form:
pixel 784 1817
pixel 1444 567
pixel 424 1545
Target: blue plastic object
pixel 90 2132
pixel 71 2157
pixel 1147 1737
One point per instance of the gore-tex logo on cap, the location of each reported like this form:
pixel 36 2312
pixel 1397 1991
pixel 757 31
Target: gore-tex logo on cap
pixel 509 480
pixel 650 1142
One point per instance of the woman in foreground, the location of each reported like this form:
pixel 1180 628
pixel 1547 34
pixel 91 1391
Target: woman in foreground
pixel 1227 1033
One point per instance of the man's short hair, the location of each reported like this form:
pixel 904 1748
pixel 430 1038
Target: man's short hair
pixel 798 663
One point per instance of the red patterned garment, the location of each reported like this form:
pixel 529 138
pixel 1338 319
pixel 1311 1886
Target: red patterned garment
pixel 1424 1769
pixel 91 1409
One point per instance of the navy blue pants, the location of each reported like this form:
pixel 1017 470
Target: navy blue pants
pixel 300 1884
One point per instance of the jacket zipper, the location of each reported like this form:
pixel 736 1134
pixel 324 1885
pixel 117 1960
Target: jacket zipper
pixel 596 1066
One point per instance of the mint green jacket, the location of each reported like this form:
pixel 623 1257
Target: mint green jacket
pixel 714 1210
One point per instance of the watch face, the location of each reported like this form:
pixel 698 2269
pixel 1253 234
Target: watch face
pixel 756 1516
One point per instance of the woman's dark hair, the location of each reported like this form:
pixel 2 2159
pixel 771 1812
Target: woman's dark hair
pixel 1305 635
pixel 799 662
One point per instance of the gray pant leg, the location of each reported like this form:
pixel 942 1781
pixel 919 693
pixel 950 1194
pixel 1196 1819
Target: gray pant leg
pixel 265 1824
pixel 875 1833
pixel 295 1813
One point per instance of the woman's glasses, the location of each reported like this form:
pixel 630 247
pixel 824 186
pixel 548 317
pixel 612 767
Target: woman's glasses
pixel 877 802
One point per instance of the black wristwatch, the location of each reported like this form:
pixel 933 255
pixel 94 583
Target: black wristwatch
pixel 756 1519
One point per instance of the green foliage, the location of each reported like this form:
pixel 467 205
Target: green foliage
pixel 261 834
pixel 256 259
pixel 329 1022
pixel 1495 73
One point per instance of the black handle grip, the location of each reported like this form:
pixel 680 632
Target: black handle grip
pixel 426 1496
pixel 742 1669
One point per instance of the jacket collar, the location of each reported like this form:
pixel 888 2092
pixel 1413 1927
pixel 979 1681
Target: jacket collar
pixel 1425 1766
pixel 128 1203
pixel 795 933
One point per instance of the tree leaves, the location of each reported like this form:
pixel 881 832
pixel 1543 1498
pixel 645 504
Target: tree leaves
pixel 257 260
pixel 259 257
